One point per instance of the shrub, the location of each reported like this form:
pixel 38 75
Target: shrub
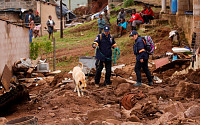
pixel 128 3
pixel 112 6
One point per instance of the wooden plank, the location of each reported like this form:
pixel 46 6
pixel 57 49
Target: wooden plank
pixel 34 63
pixel 6 77
pixel 161 62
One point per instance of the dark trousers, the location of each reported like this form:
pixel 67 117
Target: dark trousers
pixel 99 67
pixel 100 30
pixel 144 66
pixel 146 18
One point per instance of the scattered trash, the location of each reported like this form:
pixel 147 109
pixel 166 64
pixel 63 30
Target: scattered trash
pixel 157 80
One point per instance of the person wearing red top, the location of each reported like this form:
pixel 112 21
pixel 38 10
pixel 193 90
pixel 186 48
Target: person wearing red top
pixel 136 19
pixel 144 10
pixel 148 15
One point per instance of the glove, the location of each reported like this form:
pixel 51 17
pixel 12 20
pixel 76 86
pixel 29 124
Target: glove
pixel 94 45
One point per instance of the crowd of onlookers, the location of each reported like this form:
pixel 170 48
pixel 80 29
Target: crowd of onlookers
pixel 143 17
pixel 34 23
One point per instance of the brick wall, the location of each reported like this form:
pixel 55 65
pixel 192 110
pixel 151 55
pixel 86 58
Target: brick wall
pixel 196 17
pixel 25 4
pixel 14 44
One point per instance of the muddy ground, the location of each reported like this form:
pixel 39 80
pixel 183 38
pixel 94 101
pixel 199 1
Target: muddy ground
pixel 175 100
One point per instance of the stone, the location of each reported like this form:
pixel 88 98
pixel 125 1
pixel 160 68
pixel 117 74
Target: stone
pixel 175 108
pixel 132 123
pixel 187 90
pixel 74 121
pixel 168 116
pixel 3 120
pixel 113 121
pixel 55 107
pixel 122 89
pixel 133 118
pixel 95 122
pixel 126 113
pixel 192 111
pixel 52 114
pixel 39 108
pixel 102 114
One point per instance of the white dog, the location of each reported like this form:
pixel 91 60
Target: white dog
pixel 79 79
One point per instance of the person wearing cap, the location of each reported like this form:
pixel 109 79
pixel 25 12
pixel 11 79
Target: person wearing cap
pixel 101 23
pixel 104 43
pixel 37 22
pixel 136 19
pixel 121 15
pixel 28 16
pixel 141 58
pixel 106 17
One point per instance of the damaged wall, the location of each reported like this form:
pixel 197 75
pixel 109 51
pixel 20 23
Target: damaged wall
pixel 25 4
pixel 14 44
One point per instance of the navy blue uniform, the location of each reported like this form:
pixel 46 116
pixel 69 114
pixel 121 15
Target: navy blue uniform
pixel 104 56
pixel 139 51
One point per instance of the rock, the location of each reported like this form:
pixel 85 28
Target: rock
pixel 193 111
pixel 41 82
pixel 131 123
pixel 153 98
pixel 74 121
pixel 175 108
pixel 168 116
pixel 102 115
pixel 159 92
pixel 95 122
pixel 39 108
pixel 52 114
pixel 187 90
pixel 3 120
pixel 70 86
pixel 55 107
pixel 117 80
pixel 122 89
pixel 134 118
pixel 113 121
pixel 126 113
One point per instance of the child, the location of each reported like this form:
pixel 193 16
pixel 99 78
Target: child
pixel 50 24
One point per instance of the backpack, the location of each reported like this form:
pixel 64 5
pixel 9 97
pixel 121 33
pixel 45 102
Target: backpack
pixel 149 45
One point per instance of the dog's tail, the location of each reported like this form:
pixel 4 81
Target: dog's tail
pixel 81 65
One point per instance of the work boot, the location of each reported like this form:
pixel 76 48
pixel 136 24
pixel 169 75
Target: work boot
pixel 97 85
pixel 150 83
pixel 137 84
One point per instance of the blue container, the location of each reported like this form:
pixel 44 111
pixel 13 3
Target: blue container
pixel 173 6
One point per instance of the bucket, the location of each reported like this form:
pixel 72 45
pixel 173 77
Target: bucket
pixel 88 63
pixel 173 6
pixel 28 120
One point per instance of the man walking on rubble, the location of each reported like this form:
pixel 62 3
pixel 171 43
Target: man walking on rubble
pixel 104 43
pixel 141 58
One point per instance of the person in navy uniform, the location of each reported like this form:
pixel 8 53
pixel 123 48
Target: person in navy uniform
pixel 104 43
pixel 141 58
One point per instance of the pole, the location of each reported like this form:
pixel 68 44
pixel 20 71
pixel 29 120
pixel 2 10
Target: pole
pixel 61 22
pixel 163 6
pixel 54 55
pixel 69 4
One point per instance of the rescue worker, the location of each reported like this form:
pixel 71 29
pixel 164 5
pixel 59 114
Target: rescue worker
pixel 141 58
pixel 104 43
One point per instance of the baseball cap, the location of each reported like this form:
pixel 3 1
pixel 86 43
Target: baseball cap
pixel 106 28
pixel 36 12
pixel 133 33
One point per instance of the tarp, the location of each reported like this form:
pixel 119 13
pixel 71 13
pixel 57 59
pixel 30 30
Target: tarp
pixel 64 12
pixel 96 15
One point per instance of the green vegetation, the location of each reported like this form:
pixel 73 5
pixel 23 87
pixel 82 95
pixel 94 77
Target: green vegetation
pixel 128 3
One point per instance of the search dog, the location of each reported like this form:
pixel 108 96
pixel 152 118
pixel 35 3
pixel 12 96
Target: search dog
pixel 79 79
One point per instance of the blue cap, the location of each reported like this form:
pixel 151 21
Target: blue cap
pixel 106 28
pixel 133 33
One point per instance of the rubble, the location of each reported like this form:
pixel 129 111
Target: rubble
pixel 192 111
